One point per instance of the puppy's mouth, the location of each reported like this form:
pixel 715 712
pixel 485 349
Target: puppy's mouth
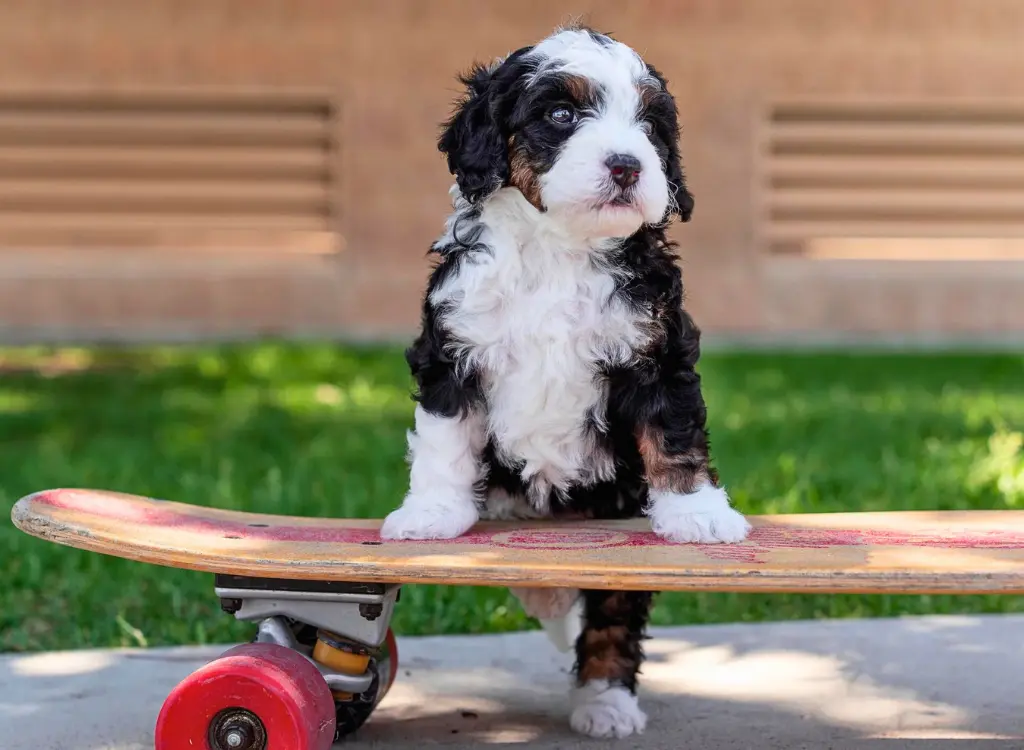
pixel 622 200
pixel 617 199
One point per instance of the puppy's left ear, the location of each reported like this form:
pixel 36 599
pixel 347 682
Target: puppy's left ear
pixel 682 197
pixel 476 149
pixel 668 124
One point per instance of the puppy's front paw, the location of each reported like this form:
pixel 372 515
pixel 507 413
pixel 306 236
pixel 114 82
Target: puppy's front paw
pixel 431 516
pixel 703 517
pixel 703 528
pixel 603 711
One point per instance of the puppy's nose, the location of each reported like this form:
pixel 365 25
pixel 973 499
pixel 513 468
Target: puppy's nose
pixel 625 169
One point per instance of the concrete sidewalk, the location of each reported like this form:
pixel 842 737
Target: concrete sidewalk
pixel 911 683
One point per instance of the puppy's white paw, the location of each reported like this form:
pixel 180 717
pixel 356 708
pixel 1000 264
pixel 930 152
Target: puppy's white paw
pixel 600 710
pixel 704 517
pixel 431 516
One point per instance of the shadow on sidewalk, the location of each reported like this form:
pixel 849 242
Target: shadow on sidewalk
pixel 952 682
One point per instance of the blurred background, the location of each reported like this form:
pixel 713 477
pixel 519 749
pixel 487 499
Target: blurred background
pixel 214 219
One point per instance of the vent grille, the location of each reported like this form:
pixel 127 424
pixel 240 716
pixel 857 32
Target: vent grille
pixel 163 167
pixel 859 172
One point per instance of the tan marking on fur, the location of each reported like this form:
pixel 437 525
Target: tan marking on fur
pixel 581 89
pixel 603 660
pixel 523 175
pixel 680 473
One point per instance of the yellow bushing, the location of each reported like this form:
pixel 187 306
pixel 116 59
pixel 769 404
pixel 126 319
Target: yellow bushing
pixel 340 660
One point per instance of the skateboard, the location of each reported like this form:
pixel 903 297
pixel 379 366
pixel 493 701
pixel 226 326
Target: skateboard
pixel 322 591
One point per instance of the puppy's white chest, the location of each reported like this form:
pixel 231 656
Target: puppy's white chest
pixel 518 320
pixel 540 337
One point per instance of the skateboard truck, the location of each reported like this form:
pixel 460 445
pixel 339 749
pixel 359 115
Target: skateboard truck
pixel 340 628
pixel 357 611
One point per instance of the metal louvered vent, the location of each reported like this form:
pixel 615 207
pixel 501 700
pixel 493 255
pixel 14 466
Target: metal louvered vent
pixel 893 180
pixel 159 167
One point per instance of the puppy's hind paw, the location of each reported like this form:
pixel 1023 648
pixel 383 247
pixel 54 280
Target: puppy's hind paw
pixel 603 711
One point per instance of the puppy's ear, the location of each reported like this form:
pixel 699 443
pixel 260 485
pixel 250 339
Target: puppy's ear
pixel 682 197
pixel 472 140
pixel 667 122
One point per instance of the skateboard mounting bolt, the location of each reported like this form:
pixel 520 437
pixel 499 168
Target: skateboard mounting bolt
pixel 230 606
pixel 371 611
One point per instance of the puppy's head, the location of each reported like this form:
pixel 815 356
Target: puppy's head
pixel 581 125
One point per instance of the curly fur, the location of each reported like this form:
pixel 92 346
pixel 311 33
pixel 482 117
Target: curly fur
pixel 555 366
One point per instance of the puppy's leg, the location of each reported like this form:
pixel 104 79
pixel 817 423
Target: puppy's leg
pixel 662 397
pixel 608 658
pixel 444 474
pixel 686 503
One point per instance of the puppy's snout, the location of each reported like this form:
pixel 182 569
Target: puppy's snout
pixel 624 169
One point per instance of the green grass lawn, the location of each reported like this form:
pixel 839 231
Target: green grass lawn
pixel 320 431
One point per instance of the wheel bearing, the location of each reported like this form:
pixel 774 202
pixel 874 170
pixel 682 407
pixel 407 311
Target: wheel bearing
pixel 237 729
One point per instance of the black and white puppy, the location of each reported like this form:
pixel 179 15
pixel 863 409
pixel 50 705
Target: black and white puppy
pixel 555 366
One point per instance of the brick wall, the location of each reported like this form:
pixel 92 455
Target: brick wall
pixel 389 65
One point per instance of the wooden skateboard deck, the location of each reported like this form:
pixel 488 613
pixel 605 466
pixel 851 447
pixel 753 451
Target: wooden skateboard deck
pixel 958 552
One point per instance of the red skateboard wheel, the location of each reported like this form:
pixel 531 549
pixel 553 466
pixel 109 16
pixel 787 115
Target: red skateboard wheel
pixel 259 696
pixel 392 646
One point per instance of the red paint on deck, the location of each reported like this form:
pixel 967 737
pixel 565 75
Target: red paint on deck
pixel 560 537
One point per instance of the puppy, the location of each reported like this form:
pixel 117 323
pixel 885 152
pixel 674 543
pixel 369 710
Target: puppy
pixel 555 364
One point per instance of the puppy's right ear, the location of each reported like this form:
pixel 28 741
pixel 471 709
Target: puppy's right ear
pixel 472 140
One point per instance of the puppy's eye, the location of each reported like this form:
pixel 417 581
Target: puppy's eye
pixel 646 126
pixel 562 116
